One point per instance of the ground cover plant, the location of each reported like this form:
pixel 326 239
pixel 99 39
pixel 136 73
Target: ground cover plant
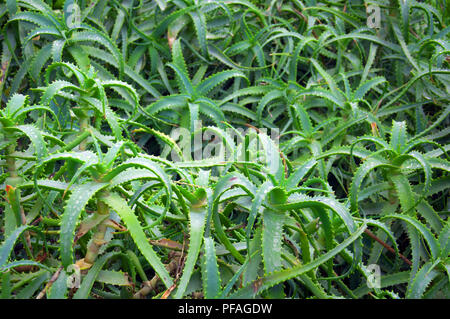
pixel 224 149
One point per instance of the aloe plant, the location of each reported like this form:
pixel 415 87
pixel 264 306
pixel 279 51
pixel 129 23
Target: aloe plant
pixel 105 177
pixel 192 97
pixel 12 128
pixel 89 97
pixel 68 32
pixel 352 178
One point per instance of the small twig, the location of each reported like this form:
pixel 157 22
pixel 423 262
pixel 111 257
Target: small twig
pixel 50 283
pixel 167 293
pixel 382 243
pixel 183 183
pixel 284 164
pixel 236 227
pixel 180 266
pixel 167 243
pixel 291 244
pixel 182 259
pixel 151 285
pixel 414 33
pixel 36 221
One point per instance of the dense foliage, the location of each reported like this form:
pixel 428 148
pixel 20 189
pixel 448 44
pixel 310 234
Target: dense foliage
pixel 335 183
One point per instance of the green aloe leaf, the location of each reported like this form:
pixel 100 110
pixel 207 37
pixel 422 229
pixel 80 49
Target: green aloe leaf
pixel 133 225
pixel 255 287
pixel 197 221
pixel 210 270
pixel 76 203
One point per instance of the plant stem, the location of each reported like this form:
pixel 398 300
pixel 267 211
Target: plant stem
pixel 50 283
pixel 84 122
pixel 11 162
pixel 99 235
pixel 13 195
pixel 382 243
pixel 78 140
pixel 151 285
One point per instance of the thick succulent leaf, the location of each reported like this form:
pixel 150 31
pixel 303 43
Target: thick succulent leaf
pixel 53 89
pixel 34 17
pixel 216 79
pixel 210 270
pixel 444 240
pixel 257 208
pixel 35 136
pixel 398 136
pixel 100 38
pixel 272 237
pixel 430 215
pixel 15 103
pixel 323 94
pixel 385 281
pixel 261 284
pixel 132 174
pixel 368 166
pixel 329 79
pixel 112 277
pixel 197 220
pixel 423 278
pixel 432 242
pixel 42 31
pixel 198 17
pixel 167 103
pixel 8 244
pixel 88 281
pixel 404 193
pixel 133 225
pixel 367 86
pixel 295 178
pixel 59 288
pixel 75 205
